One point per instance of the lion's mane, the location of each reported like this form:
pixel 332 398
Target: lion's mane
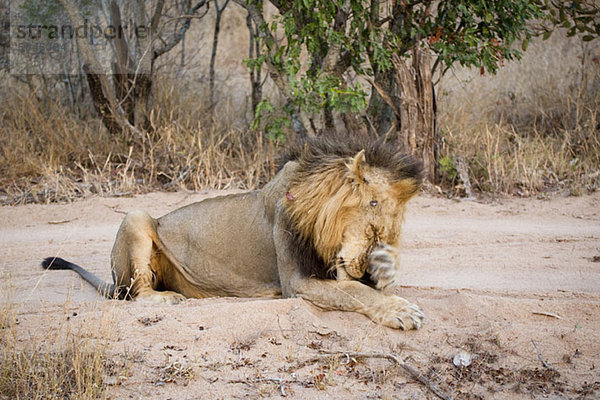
pixel 321 200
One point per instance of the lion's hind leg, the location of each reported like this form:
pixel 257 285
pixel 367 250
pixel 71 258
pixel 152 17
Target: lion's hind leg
pixel 137 265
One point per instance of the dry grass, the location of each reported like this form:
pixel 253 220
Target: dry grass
pixel 72 373
pixel 532 129
pixel 50 155
pixel 64 363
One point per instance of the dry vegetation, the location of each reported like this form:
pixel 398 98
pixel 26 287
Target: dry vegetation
pixel 531 130
pixel 49 154
pixel 67 363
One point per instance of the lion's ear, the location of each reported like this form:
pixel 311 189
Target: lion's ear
pixel 405 189
pixel 357 166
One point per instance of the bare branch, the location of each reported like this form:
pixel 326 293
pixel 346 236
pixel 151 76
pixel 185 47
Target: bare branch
pixel 110 111
pixel 181 33
pixel 213 54
pixel 277 75
pixel 156 16
pixel 539 354
pixel 412 371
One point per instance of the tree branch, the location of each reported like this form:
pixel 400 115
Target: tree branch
pixel 412 371
pixel 179 35
pixel 277 75
pixel 107 101
pixel 156 16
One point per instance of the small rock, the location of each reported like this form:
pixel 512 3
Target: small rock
pixel 462 359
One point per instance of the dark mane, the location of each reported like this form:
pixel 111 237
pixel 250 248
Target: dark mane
pixel 312 264
pixel 316 152
pixel 303 249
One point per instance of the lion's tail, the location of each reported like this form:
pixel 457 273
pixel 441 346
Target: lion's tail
pixel 106 289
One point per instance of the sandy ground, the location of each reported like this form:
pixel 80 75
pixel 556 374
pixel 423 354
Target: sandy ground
pixel 495 278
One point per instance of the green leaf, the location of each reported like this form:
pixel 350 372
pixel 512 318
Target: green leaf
pixel 562 15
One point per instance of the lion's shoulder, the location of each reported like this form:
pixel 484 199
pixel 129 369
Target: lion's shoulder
pixel 276 189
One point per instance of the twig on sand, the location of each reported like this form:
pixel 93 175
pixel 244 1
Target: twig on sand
pixel 539 354
pixel 547 314
pixel 412 371
pixel 280 381
pixel 115 209
pixel 63 221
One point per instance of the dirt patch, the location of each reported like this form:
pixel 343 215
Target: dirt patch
pixel 511 290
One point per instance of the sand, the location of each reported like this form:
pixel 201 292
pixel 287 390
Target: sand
pixel 496 278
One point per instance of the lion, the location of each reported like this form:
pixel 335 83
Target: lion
pixel 326 229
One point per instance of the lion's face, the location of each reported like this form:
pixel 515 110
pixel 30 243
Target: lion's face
pixel 372 215
pixel 346 207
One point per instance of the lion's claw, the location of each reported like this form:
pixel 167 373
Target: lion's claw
pixel 383 265
pixel 398 313
pixel 416 315
pixel 401 324
pixel 411 317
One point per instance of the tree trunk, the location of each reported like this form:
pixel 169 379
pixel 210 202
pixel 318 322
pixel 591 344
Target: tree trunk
pixel 384 117
pixel 100 101
pixel 418 131
pixel 4 34
pixel 255 72
pixel 132 82
pixel 301 122
pixel 114 104
pixel 103 97
pixel 213 54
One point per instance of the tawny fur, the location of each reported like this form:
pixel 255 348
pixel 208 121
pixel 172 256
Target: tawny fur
pixel 326 229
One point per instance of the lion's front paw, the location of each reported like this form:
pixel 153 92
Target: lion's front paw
pixel 398 313
pixel 166 297
pixel 383 265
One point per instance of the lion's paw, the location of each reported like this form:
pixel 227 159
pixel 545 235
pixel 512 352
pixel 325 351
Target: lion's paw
pixel 166 297
pixel 398 313
pixel 382 265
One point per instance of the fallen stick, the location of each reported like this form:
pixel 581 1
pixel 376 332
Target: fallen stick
pixel 547 314
pixel 539 354
pixel 412 371
pixel 280 381
pixel 64 221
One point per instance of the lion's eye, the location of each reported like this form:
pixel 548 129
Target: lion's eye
pixel 373 203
